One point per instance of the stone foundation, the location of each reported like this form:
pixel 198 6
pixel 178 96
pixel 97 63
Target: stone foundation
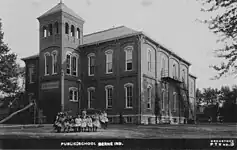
pixel 146 119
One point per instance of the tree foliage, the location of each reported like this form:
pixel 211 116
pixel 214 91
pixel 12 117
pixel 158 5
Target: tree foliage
pixel 9 69
pixel 224 24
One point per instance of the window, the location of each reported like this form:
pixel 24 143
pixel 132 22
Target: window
pixel 68 61
pixel 32 74
pixel 163 99
pixel 174 101
pixel 183 75
pixel 46 63
pixel 128 95
pixel 54 62
pixel 73 94
pixel 163 67
pixel 128 52
pixel 56 27
pixel 66 28
pixel 174 71
pixel 91 64
pixel 191 88
pixel 149 59
pixel 50 29
pixel 72 30
pixel 149 94
pixel 109 96
pixel 78 33
pixel 129 119
pixel 74 64
pixel 45 31
pixel 109 61
pixel 91 96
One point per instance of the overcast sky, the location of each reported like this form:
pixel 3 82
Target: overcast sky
pixel 171 22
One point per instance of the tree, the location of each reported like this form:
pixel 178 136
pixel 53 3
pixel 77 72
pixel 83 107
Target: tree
pixel 224 24
pixel 9 69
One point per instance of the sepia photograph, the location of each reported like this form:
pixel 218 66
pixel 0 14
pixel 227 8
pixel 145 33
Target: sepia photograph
pixel 118 74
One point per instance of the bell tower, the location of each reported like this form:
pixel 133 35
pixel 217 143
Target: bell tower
pixel 60 34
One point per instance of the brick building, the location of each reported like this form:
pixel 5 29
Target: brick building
pixel 119 69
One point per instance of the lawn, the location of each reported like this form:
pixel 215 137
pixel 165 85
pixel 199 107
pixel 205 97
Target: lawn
pixel 129 131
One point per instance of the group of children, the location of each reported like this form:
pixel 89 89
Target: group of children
pixel 81 123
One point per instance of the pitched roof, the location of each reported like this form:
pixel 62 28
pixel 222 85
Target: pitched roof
pixel 61 7
pixel 114 33
pixel 31 57
pixel 108 34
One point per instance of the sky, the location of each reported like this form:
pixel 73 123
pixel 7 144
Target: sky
pixel 173 23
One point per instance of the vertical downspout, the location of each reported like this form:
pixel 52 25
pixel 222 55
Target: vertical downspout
pixel 139 77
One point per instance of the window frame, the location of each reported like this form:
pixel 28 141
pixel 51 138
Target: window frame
pixel 90 101
pixel 74 89
pixel 46 64
pixel 174 71
pixel 31 70
pixel 126 86
pixel 107 88
pixel 56 25
pixel 72 31
pixel 66 28
pixel 77 57
pixel 78 33
pixel 128 49
pixel 45 32
pixel 54 62
pixel 89 65
pixel 70 63
pixel 107 53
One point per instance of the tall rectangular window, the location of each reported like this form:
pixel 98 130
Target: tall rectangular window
pixel 91 97
pixel 32 74
pixel 91 64
pixel 129 95
pixel 54 62
pixel 46 63
pixel 128 62
pixel 109 61
pixel 68 62
pixel 74 65
pixel 109 96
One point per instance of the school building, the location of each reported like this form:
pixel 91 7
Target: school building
pixel 119 70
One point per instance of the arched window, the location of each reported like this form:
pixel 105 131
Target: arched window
pixel 68 62
pixel 149 95
pixel 73 94
pixel 109 96
pixel 44 31
pixel 56 27
pixel 183 75
pixel 128 55
pixel 174 71
pixel 74 64
pixel 128 95
pixel 91 64
pixel 50 30
pixel 91 96
pixel 66 28
pixel 46 63
pixel 32 74
pixel 54 62
pixel 163 67
pixel 78 33
pixel 72 30
pixel 109 61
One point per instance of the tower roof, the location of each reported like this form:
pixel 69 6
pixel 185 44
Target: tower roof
pixel 61 7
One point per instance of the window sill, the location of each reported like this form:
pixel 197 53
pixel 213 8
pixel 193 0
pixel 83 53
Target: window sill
pixel 54 73
pixel 46 74
pixel 109 72
pixel 91 75
pixel 31 82
pixel 128 107
pixel 73 100
pixel 109 108
pixel 128 70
